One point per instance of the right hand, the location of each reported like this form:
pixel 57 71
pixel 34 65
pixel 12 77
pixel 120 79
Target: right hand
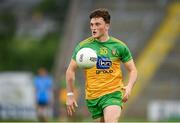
pixel 71 104
pixel 127 92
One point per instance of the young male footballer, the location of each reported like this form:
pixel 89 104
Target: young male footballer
pixel 105 90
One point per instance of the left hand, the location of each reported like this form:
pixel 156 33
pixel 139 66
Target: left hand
pixel 127 92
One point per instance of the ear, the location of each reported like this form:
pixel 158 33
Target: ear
pixel 107 26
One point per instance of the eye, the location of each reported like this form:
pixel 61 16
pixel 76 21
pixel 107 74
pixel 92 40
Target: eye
pixel 97 24
pixel 91 25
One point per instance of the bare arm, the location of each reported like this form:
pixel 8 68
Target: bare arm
pixel 70 78
pixel 130 66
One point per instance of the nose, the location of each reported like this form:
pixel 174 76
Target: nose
pixel 93 27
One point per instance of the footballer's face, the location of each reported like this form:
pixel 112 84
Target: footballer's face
pixel 99 27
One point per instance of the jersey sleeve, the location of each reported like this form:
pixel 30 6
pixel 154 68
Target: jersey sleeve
pixel 75 52
pixel 125 55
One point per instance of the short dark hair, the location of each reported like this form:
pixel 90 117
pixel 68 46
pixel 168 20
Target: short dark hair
pixel 101 12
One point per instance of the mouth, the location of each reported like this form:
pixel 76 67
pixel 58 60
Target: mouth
pixel 94 32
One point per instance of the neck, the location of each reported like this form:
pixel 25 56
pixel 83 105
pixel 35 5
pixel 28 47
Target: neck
pixel 103 38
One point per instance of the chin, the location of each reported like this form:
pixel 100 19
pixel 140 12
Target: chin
pixel 95 36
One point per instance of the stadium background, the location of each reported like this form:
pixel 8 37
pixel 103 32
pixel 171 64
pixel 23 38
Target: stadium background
pixel 35 33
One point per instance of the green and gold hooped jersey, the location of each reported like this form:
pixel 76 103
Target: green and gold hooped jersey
pixel 106 76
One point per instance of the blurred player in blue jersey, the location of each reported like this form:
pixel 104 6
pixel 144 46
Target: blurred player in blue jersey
pixel 43 88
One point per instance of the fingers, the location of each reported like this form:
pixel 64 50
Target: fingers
pixel 71 108
pixel 127 91
pixel 125 98
pixel 69 111
pixel 75 103
pixel 126 95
